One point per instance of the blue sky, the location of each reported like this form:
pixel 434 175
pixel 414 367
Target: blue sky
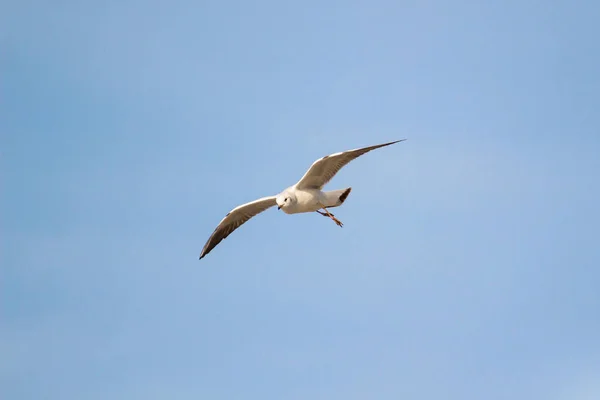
pixel 468 265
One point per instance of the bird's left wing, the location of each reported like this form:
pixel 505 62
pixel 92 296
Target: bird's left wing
pixel 234 219
pixel 324 169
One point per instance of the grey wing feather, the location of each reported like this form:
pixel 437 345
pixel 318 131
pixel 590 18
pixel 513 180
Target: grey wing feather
pixel 236 218
pixel 324 169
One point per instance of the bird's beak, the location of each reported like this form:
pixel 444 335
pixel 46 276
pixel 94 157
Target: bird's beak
pixel 279 207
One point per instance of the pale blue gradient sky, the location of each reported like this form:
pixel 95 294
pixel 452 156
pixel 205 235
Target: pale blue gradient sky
pixel 468 266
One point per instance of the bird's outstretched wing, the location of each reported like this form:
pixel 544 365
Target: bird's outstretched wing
pixel 324 169
pixel 234 219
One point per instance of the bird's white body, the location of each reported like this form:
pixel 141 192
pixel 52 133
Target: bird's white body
pixel 305 196
pixel 303 200
pixel 307 200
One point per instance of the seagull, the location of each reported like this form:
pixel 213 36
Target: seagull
pixel 305 196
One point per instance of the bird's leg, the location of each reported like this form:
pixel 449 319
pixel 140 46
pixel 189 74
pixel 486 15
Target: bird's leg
pixel 323 214
pixel 330 215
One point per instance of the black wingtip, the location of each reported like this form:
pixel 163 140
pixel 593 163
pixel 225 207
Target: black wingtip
pixel 345 195
pixel 394 142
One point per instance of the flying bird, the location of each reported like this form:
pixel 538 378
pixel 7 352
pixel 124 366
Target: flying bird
pixel 306 195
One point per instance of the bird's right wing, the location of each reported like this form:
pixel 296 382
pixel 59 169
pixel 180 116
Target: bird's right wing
pixel 324 169
pixel 234 219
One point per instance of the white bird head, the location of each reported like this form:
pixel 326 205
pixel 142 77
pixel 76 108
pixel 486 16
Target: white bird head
pixel 285 199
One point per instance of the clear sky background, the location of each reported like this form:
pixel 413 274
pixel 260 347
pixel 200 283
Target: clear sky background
pixel 469 263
